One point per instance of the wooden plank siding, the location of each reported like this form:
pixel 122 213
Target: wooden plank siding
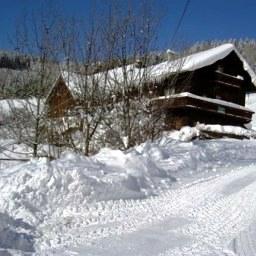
pixel 187 111
pixel 60 101
pixel 188 102
pixel 225 80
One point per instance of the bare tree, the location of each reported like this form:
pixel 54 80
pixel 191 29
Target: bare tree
pixel 130 38
pixel 83 53
pixel 35 37
pixel 106 64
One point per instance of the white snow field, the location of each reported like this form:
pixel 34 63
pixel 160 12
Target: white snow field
pixel 163 198
pixel 174 196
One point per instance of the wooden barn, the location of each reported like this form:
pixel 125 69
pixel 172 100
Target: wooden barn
pixel 207 87
pixel 210 88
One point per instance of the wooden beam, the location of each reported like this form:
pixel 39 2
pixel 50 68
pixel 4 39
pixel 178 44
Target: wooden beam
pixel 227 84
pixel 14 159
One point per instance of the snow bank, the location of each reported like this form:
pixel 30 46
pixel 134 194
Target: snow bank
pixel 227 129
pixel 49 195
pixel 188 133
pixel 16 235
pixel 251 104
pixel 13 153
pixel 34 191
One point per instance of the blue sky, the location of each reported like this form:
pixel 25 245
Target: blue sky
pixel 204 20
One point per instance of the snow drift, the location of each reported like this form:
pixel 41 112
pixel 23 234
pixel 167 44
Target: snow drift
pixel 49 195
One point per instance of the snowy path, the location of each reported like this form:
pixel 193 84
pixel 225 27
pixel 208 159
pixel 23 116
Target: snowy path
pixel 201 218
pixel 245 244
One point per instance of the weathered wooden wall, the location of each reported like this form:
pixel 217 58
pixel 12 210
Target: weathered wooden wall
pixel 60 100
pixel 225 80
pixel 218 81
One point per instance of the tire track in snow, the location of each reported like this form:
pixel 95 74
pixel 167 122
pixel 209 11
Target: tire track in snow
pixel 218 223
pixel 202 201
pixel 245 244
pixel 116 218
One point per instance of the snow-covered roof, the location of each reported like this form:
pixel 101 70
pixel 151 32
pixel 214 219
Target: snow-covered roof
pixel 131 74
pixel 108 79
pixel 216 101
pixel 200 60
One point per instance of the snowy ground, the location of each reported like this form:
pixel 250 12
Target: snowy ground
pixel 251 103
pixel 170 197
pixel 162 198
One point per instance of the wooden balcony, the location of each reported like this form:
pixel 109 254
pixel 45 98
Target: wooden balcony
pixel 206 105
pixel 228 80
